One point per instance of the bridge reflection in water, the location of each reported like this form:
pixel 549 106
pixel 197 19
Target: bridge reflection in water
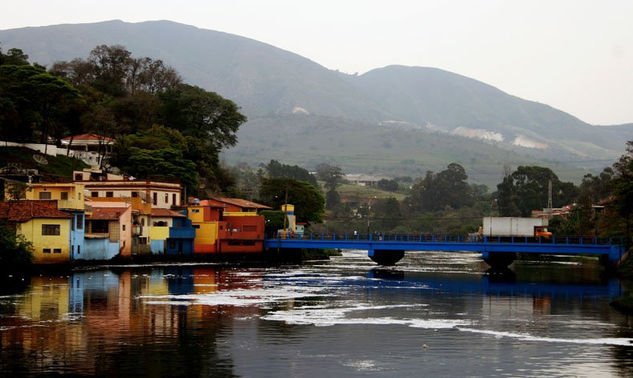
pixel 387 249
pixel 500 284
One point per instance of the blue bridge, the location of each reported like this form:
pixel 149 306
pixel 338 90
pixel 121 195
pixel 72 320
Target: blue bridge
pixel 387 249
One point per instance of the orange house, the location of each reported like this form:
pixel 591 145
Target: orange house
pixel 227 225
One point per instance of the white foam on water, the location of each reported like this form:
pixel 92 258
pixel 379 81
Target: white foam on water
pixel 238 297
pixel 323 317
pixel 362 365
pixel 621 341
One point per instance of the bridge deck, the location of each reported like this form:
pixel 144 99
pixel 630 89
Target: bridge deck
pixel 485 245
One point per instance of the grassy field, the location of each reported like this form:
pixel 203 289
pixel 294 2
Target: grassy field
pixel 357 191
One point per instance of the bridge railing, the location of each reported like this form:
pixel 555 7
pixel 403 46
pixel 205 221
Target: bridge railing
pixel 447 238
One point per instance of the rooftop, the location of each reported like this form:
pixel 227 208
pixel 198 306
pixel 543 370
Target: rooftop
pixel 166 213
pixel 107 213
pixel 25 210
pixel 87 138
pixel 245 204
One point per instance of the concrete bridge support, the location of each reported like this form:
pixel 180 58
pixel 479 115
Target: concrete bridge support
pixel 498 260
pixel 385 257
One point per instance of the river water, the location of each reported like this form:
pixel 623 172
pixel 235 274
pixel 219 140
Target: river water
pixel 434 314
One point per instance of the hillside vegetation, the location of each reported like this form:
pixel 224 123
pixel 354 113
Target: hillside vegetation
pixel 51 168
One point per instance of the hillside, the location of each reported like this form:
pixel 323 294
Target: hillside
pixel 51 168
pixel 392 119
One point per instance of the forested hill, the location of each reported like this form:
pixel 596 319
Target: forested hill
pixel 396 119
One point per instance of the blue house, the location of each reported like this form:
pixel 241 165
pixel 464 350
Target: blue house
pixel 171 233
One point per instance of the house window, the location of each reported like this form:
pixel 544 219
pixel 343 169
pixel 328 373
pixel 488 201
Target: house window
pixel 79 250
pixel 142 221
pixel 123 227
pixel 46 250
pixel 196 226
pixel 99 226
pixel 50 229
pixel 166 198
pixel 80 221
pixel 45 195
pixel 64 196
pixel 195 210
pixel 78 177
pixel 109 194
pixel 173 199
pixel 155 199
pixel 94 194
pixel 57 250
pixel 134 194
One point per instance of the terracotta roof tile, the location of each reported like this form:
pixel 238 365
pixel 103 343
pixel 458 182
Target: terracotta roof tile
pixel 25 210
pixel 107 213
pixel 88 137
pixel 166 213
pixel 241 203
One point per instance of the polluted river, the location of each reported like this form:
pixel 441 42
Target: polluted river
pixel 434 314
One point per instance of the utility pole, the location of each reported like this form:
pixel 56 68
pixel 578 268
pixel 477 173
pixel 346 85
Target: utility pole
pixel 549 197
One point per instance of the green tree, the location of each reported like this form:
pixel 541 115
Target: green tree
pixel 14 57
pixel 156 153
pixel 330 174
pixel 623 187
pixel 276 169
pixel 526 189
pixel 308 201
pixel 16 253
pixel 386 213
pixel 201 114
pixel 388 185
pixel 437 191
pixel 35 104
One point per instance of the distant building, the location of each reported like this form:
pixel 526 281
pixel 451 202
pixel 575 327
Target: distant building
pixel 93 149
pixel 546 213
pixel 364 180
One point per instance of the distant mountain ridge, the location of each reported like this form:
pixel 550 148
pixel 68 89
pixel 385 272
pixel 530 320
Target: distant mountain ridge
pixel 285 96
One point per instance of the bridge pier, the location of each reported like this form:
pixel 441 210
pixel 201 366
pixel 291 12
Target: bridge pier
pixel 498 260
pixel 385 257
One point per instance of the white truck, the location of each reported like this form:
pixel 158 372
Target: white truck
pixel 515 226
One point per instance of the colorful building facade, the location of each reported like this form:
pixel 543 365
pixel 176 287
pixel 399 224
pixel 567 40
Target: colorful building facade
pixel 40 222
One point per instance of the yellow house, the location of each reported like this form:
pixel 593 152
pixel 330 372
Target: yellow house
pixel 69 196
pixel 205 219
pixel 41 223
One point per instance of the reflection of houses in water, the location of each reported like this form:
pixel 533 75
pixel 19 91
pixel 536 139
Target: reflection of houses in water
pixel 61 319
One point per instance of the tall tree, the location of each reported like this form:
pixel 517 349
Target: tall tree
pixel 201 114
pixel 35 104
pixel 276 169
pixel 623 187
pixel 526 189
pixel 437 191
pixel 308 201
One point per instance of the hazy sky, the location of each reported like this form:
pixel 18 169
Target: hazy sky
pixel 575 55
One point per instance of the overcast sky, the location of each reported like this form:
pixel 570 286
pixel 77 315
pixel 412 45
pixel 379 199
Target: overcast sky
pixel 575 55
